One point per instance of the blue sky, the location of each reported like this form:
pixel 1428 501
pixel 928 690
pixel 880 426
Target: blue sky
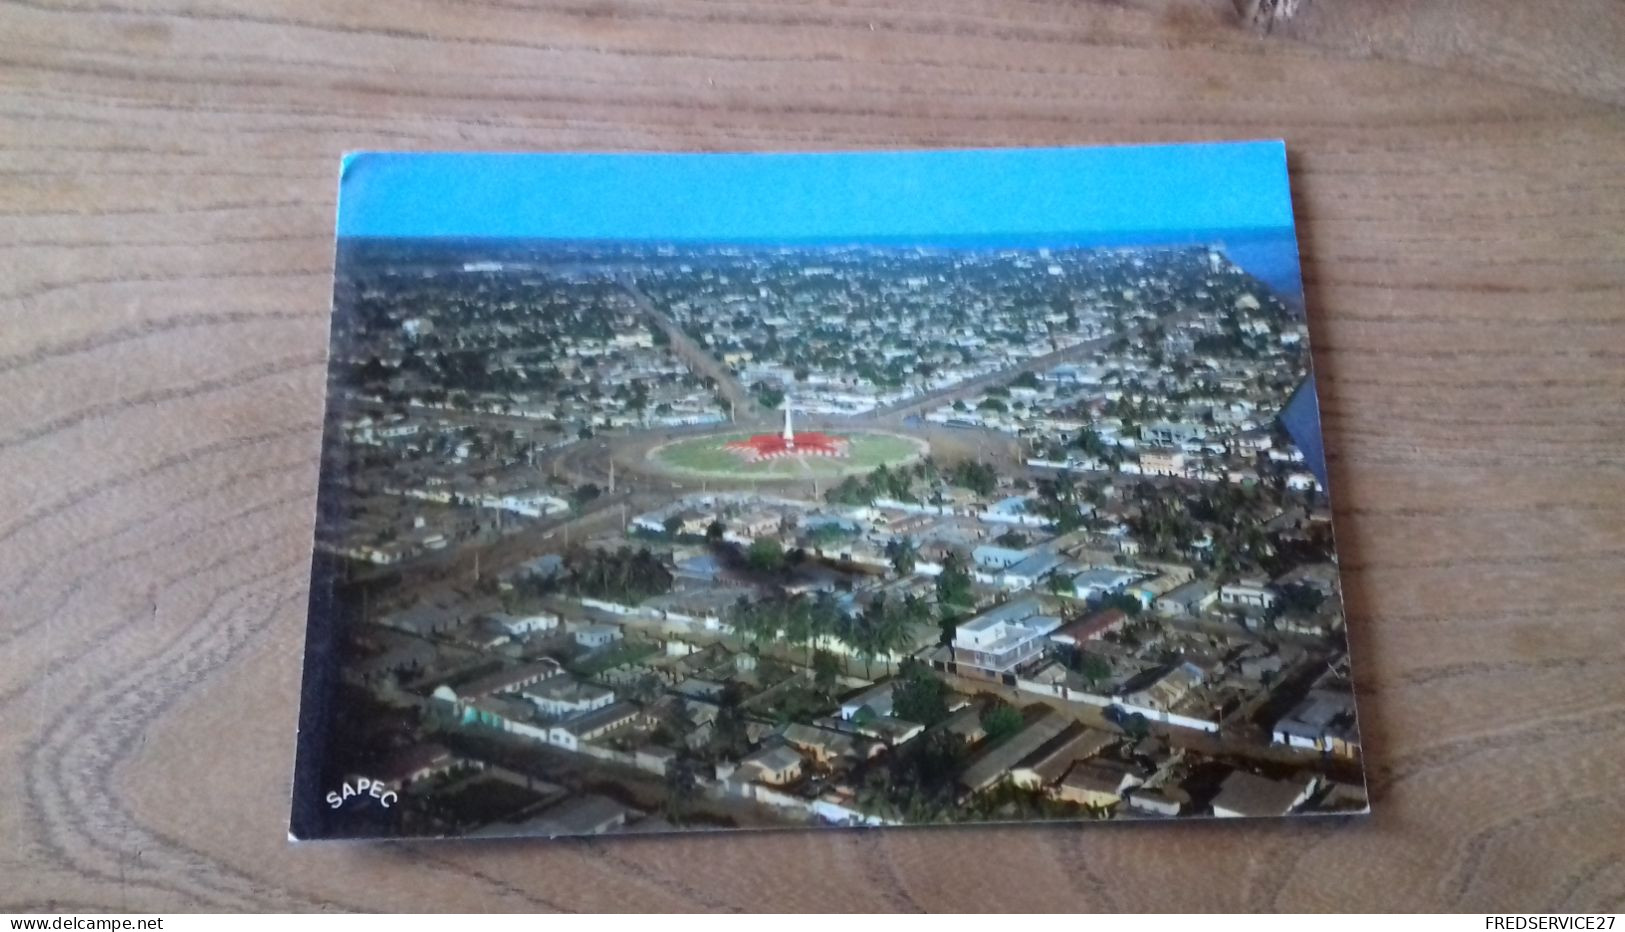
pixel 823 197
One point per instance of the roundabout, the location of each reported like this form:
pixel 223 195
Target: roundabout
pixel 785 455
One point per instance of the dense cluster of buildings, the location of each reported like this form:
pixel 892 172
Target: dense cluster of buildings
pixel 563 350
pixel 1139 618
pixel 863 329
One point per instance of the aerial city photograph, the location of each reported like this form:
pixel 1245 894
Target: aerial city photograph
pixel 622 536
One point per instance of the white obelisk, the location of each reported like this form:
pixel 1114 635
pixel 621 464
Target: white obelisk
pixel 789 435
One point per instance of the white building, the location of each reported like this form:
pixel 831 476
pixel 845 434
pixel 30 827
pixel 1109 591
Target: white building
pixel 564 695
pixel 572 732
pixel 1247 593
pixel 529 504
pixel 596 634
pixel 996 641
pixel 1103 580
pixel 521 625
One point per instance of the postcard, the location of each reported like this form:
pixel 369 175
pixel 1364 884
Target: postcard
pixel 708 492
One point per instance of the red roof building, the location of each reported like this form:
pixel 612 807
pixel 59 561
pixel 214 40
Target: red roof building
pixel 1090 626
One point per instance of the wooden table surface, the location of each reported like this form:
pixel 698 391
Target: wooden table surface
pixel 166 214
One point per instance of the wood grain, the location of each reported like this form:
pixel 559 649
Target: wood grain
pixel 167 172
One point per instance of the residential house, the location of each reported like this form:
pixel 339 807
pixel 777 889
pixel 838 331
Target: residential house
pixel 412 764
pixel 877 699
pixel 1171 434
pixel 1097 783
pixel 1098 581
pixel 1316 577
pixel 1166 690
pixel 991 561
pixel 994 643
pixel 1147 591
pixel 511 679
pixel 776 766
pixel 1090 626
pixel 1162 461
pixel 1323 721
pixel 821 744
pixel 565 695
pixel 522 625
pixel 483 633
pixel 1159 801
pixel 1247 593
pixel 580 815
pixel 1244 794
pixel 995 763
pixel 1046 766
pixel 588 726
pixel 1191 599
pixel 597 634
pixel 1027 573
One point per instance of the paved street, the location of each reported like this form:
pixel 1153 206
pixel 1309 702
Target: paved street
pixel 746 410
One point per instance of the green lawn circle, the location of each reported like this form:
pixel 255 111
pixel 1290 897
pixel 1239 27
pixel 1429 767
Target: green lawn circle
pixel 708 457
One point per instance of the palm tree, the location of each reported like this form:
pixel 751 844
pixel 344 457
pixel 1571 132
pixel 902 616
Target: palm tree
pixel 825 618
pixel 893 635
pixel 798 625
pixel 903 555
pixel 860 634
pixel 748 621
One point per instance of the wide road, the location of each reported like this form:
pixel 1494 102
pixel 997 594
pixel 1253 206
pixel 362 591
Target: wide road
pixel 698 358
pixel 493 556
pixel 1250 744
pixel 948 394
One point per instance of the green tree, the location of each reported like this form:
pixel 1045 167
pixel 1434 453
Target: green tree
pixel 1092 667
pixel 799 627
pixel 729 739
pixel 947 625
pixel 1136 726
pixel 622 575
pixel 765 554
pixel 894 632
pixel 753 621
pixel 903 555
pixel 1000 720
pixel 919 696
pixel 1128 604
pixel 647 688
pixel 954 582
pixel 977 476
pixel 1090 443
pixel 862 632
pixel 916 609
pixel 826 672
pixel 825 617
pixel 850 491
